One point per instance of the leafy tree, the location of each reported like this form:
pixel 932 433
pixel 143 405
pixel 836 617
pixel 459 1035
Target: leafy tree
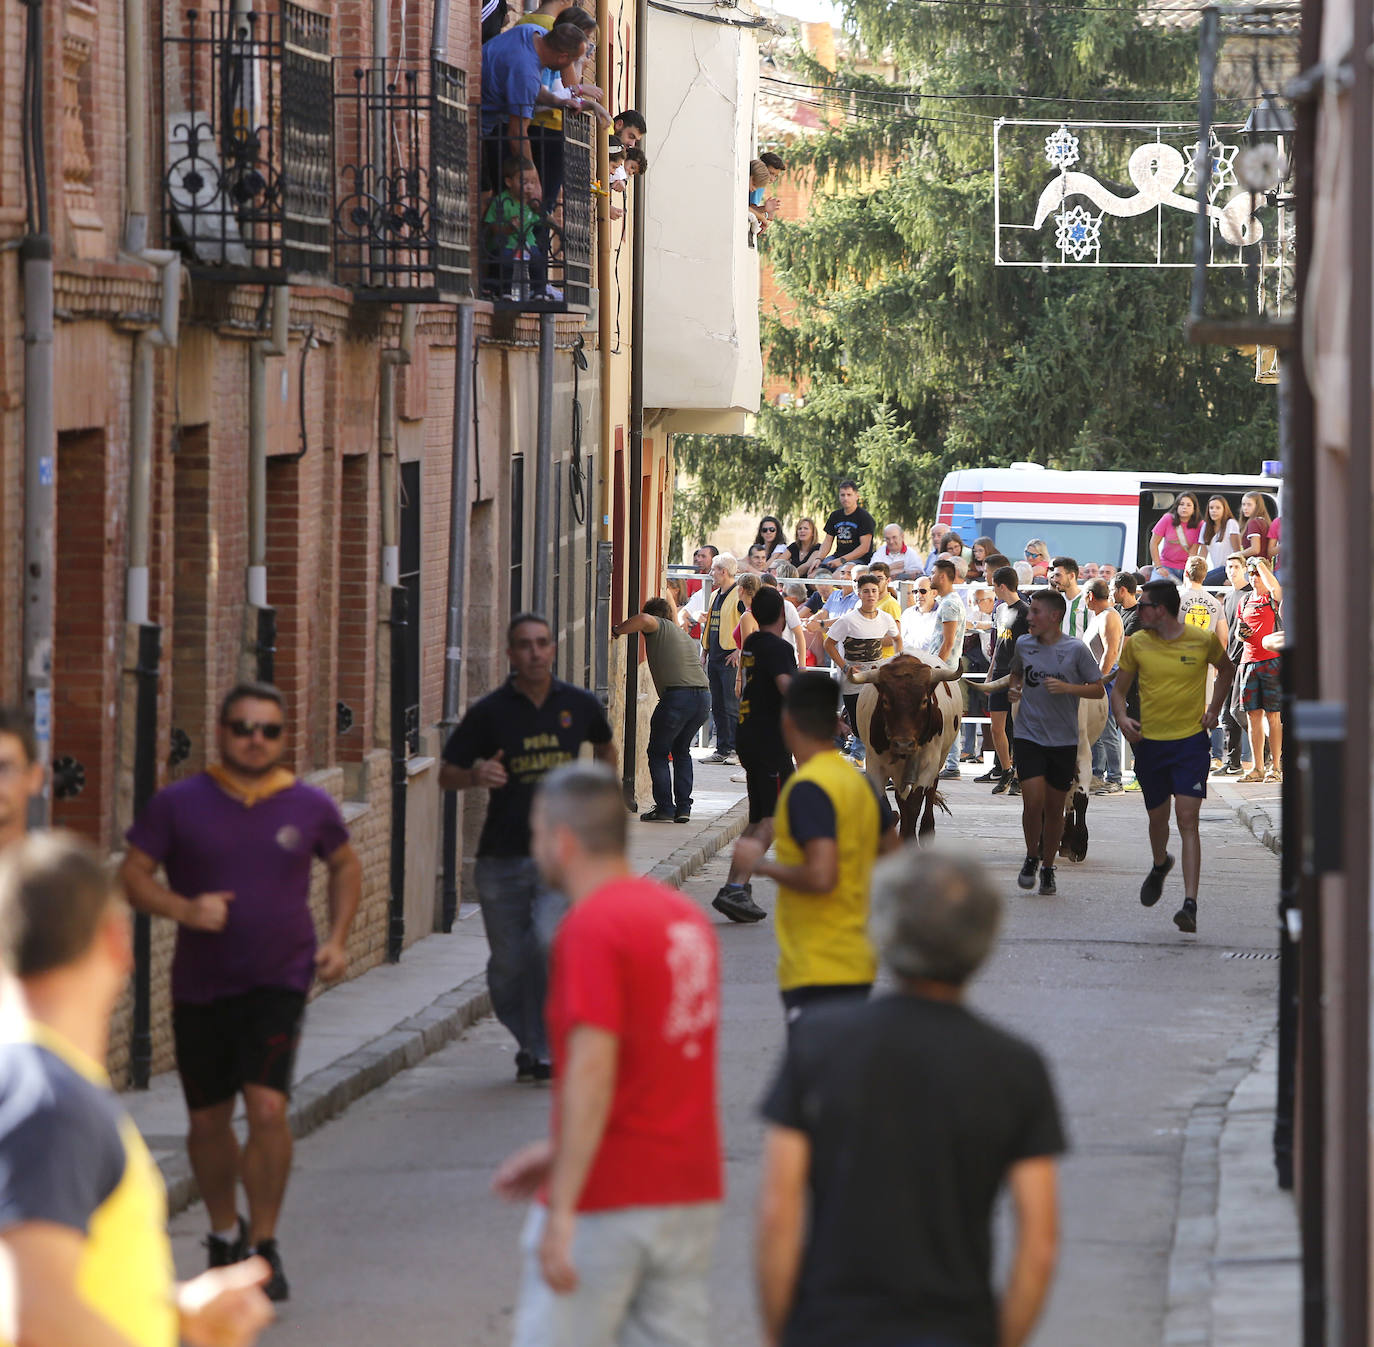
pixel 916 354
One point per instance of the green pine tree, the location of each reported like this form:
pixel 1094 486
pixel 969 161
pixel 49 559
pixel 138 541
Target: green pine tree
pixel 916 353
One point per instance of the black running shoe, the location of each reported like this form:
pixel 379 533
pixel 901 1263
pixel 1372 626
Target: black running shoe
pixel 994 773
pixel 1186 917
pixel 736 904
pixel 541 1072
pixel 657 815
pixel 1014 788
pixel 276 1288
pixel 1003 785
pixel 682 816
pixel 1047 886
pixel 223 1252
pixel 1026 879
pixel 1153 886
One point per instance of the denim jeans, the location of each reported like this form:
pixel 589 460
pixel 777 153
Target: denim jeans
pixel 1107 751
pixel 680 713
pixel 520 916
pixel 642 1279
pixel 724 703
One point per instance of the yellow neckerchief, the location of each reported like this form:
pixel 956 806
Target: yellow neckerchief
pixel 65 1051
pixel 276 781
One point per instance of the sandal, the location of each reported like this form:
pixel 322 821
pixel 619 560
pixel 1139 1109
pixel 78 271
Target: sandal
pixel 1252 776
pixel 1273 776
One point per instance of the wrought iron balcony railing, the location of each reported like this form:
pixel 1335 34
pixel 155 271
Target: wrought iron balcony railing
pixel 536 250
pixel 401 215
pixel 248 141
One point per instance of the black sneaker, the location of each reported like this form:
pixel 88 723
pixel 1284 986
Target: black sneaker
pixel 524 1066
pixel 1047 886
pixel 1186 917
pixel 1026 879
pixel 1153 886
pixel 1014 788
pixel 541 1072
pixel 1004 784
pixel 736 904
pixel 222 1252
pixel 994 773
pixel 657 815
pixel 682 816
pixel 276 1288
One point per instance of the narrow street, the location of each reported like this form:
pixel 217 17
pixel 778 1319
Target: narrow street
pixel 391 1236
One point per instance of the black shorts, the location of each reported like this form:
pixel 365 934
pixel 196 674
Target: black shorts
pixel 763 783
pixel 249 1039
pixel 1057 764
pixel 999 701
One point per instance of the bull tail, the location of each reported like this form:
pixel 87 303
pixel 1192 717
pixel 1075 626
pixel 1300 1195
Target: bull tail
pixel 936 798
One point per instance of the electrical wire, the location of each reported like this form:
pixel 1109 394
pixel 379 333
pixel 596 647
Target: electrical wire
pixel 901 95
pixel 476 421
pixel 709 18
pixel 577 477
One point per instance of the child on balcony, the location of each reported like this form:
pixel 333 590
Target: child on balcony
pixel 514 266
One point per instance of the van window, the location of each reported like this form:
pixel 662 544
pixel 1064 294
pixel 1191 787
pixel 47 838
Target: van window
pixel 1082 539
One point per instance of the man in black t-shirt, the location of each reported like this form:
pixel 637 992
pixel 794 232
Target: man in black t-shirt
pixel 900 1118
pixel 1012 621
pixel 769 662
pixel 848 534
pixel 506 743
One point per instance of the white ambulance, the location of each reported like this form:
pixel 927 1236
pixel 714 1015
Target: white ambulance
pixel 1090 516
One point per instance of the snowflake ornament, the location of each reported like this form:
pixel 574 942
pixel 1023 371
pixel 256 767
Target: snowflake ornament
pixel 1076 233
pixel 1061 149
pixel 1223 167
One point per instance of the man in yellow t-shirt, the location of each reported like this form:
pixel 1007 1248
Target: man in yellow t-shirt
pixel 83 1212
pixel 1171 738
pixel 831 824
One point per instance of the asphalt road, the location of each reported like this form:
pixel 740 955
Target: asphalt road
pixel 391 1236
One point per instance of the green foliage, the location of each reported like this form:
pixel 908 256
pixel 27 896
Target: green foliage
pixel 915 354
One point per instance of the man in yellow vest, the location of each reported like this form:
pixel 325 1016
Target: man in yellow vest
pixel 83 1213
pixel 831 825
pixel 722 655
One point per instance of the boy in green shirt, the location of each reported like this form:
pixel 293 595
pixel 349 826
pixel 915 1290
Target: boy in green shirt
pixel 515 266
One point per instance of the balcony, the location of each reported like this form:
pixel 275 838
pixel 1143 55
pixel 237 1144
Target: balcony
pixel 533 261
pixel 401 217
pixel 246 186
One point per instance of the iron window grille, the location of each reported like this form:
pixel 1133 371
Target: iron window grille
pixel 401 217
pixel 532 260
pixel 248 141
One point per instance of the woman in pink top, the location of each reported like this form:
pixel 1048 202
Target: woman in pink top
pixel 1254 525
pixel 1175 538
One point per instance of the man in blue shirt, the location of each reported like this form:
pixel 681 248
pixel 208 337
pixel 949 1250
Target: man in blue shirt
pixel 512 73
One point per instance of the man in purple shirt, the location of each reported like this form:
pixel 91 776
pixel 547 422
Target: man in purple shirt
pixel 235 843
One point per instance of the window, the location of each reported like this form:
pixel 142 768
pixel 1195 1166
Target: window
pixel 1081 539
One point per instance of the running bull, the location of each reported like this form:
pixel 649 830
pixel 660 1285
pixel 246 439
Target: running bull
pixel 908 716
pixel 1092 720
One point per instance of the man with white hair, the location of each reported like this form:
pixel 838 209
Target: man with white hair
pixel 900 1194
pixel 722 656
pixel 901 560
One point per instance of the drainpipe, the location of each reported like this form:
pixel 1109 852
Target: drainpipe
pixel 458 527
pixel 605 277
pixel 634 577
pixel 543 484
pixel 274 344
pixel 399 617
pixel 438 42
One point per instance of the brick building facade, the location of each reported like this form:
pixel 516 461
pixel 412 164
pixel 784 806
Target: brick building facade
pixel 327 456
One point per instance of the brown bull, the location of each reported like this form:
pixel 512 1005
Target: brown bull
pixel 908 716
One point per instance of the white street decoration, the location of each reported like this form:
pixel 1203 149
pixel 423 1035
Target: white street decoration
pixel 1061 149
pixel 1155 171
pixel 1223 167
pixel 1076 233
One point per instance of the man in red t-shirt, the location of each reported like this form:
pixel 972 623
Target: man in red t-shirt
pixel 619 1244
pixel 1260 694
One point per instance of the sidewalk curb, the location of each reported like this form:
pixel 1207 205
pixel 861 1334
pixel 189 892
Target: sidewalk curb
pixel 1253 816
pixel 1191 1279
pixel 326 1093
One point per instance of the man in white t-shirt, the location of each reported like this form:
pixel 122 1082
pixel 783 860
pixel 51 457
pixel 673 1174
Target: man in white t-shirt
pixel 1196 607
pixel 903 562
pixel 695 607
pixel 947 640
pixel 918 619
pixel 856 640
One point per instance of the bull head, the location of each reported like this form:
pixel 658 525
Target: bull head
pixel 936 675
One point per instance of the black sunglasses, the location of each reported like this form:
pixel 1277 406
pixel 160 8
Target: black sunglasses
pixel 245 729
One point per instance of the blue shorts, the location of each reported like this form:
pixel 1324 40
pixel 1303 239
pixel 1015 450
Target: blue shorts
pixel 1166 767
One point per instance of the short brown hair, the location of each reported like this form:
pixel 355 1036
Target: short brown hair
pixel 242 692
pixel 54 891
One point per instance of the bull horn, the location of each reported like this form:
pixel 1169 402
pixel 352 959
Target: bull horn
pixel 859 675
pixel 945 675
pixel 996 684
